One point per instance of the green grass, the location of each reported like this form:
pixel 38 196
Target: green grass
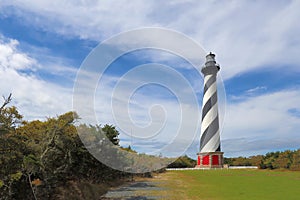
pixel 231 184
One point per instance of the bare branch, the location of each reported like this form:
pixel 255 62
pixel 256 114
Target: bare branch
pixel 6 101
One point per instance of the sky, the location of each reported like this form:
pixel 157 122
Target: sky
pixel 151 93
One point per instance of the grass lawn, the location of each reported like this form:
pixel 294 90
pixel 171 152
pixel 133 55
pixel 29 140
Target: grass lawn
pixel 229 184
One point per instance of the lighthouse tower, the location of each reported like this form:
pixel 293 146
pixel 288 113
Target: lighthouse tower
pixel 210 155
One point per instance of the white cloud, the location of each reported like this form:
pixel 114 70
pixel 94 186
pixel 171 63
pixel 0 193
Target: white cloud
pixel 34 97
pixel 87 19
pixel 252 36
pixel 262 123
pixel 11 58
pixel 245 35
pixel 256 89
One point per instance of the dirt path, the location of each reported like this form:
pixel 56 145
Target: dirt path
pixel 138 190
pixel 169 185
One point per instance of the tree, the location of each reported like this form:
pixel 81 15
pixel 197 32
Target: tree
pixel 295 165
pixel 283 161
pixel 47 157
pixel 183 162
pixel 255 160
pixel 10 118
pixel 12 151
pixel 129 149
pixel 111 133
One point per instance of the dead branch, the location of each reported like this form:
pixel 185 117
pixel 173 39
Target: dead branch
pixel 6 101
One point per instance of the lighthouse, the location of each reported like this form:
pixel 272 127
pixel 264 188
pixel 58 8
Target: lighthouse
pixel 210 155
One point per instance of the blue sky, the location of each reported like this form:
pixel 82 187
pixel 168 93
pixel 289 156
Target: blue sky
pixel 43 44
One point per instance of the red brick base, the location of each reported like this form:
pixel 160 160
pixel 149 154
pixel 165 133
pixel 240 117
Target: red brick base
pixel 210 160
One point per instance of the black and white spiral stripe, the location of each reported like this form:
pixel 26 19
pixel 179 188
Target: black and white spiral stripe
pixel 210 133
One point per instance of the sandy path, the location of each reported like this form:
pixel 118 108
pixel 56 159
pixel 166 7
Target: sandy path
pixel 138 190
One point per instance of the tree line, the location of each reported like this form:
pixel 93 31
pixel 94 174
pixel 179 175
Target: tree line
pixel 289 160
